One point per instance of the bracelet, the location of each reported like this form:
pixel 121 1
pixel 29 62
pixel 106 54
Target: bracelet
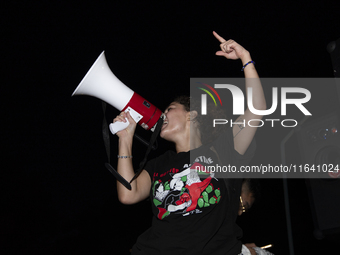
pixel 250 62
pixel 124 156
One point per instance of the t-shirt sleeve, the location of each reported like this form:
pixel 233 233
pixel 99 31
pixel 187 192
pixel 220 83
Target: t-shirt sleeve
pixel 157 163
pixel 150 167
pixel 248 155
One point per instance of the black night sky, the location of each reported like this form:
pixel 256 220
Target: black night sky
pixel 57 197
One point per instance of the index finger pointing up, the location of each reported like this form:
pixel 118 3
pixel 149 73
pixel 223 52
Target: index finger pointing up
pixel 221 39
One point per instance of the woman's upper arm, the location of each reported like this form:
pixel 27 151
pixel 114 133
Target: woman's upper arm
pixel 143 185
pixel 140 190
pixel 243 133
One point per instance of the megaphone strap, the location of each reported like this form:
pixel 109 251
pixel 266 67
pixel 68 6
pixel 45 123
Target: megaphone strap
pixel 106 133
pixel 120 178
pixel 154 146
pixel 152 141
pixel 106 138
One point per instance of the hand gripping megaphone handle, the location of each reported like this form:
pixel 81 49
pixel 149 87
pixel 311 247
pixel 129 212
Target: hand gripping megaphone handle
pixel 118 126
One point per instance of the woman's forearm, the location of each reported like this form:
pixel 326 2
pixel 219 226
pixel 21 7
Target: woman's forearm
pixel 125 169
pixel 140 187
pixel 253 81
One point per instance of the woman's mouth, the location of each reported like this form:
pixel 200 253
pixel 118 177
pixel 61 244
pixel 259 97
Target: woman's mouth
pixel 164 124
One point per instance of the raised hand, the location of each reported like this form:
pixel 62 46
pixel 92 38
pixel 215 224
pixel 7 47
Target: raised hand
pixel 231 49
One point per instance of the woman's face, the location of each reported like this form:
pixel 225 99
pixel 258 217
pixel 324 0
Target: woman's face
pixel 175 122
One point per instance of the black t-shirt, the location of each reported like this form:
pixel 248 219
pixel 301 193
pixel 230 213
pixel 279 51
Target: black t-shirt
pixel 194 212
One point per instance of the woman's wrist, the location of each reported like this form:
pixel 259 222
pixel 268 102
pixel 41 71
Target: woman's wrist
pixel 245 58
pixel 125 143
pixel 119 156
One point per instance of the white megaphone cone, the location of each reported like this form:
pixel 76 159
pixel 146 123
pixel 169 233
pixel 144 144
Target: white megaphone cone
pixel 100 82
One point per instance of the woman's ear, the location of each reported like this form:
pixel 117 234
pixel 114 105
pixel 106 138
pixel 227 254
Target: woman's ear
pixel 192 115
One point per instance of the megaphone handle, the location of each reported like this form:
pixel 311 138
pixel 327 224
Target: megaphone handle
pixel 118 126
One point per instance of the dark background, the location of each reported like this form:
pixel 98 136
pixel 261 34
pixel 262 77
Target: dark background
pixel 57 197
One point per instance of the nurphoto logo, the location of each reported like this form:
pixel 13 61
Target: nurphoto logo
pixel 239 99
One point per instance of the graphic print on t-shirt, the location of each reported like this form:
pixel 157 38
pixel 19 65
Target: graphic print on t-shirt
pixel 185 192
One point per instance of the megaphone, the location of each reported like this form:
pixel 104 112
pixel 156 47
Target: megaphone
pixel 101 83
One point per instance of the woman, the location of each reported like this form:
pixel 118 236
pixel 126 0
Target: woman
pixel 194 211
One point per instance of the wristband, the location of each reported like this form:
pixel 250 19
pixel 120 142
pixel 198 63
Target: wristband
pixel 250 62
pixel 124 156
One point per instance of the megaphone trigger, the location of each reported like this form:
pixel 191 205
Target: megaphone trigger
pixel 118 126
